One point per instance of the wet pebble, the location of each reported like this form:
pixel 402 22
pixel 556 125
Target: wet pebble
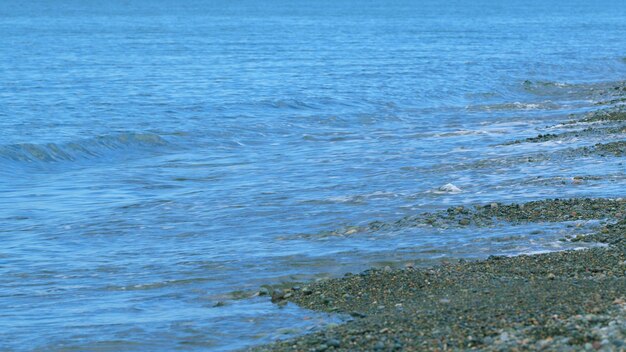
pixel 278 295
pixel 333 343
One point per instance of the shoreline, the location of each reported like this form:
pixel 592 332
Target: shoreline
pixel 565 301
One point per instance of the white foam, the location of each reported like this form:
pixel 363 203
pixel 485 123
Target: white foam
pixel 449 188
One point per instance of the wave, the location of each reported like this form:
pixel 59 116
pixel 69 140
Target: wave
pixel 461 133
pixel 596 91
pixel 84 149
pixel 545 105
pixel 290 104
pixel 356 199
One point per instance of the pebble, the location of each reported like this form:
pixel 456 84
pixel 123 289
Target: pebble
pixel 321 348
pixel 278 295
pixel 333 343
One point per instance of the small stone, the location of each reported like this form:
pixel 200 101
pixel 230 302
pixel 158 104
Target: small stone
pixel 358 315
pixel 493 205
pixel 321 348
pixel 596 345
pixel 307 291
pixel 542 344
pixel 464 222
pixel 278 295
pixel 551 276
pixel 333 343
pixel 264 291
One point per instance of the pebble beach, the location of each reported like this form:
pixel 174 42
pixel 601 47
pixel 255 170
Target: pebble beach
pixel 561 301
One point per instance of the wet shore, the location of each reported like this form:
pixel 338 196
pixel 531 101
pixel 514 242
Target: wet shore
pixel 563 301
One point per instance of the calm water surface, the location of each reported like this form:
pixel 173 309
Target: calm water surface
pixel 159 157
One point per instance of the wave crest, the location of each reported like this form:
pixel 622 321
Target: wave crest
pixel 83 149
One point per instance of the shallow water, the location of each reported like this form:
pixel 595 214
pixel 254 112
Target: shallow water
pixel 158 158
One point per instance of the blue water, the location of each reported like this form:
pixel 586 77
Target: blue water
pixel 159 157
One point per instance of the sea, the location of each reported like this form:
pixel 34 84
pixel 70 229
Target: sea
pixel 161 161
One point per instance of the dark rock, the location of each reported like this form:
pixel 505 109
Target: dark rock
pixel 278 295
